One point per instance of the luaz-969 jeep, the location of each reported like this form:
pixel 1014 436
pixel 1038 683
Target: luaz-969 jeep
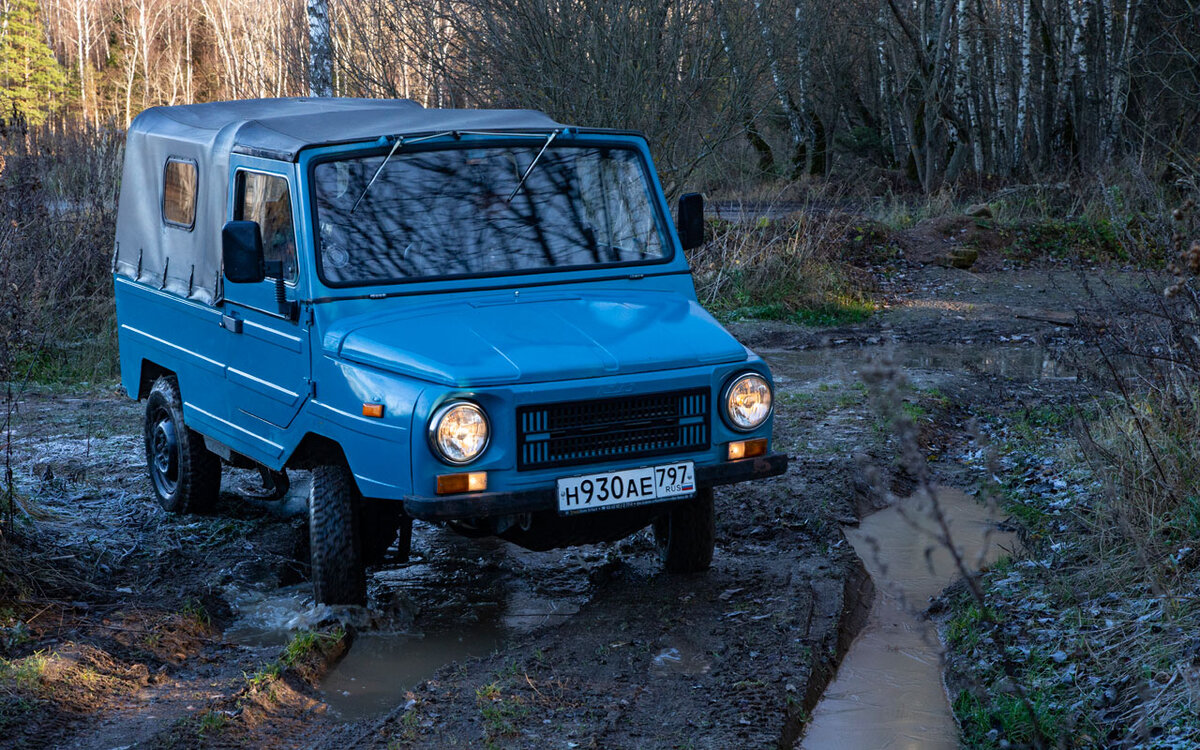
pixel 477 317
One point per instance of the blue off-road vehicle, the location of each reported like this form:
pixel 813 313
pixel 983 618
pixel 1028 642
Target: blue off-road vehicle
pixel 483 318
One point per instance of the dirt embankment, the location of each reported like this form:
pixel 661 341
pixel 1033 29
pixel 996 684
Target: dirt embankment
pixel 160 631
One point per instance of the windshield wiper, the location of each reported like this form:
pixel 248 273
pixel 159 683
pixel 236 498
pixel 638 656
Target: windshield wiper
pixel 400 141
pixel 363 194
pixel 532 164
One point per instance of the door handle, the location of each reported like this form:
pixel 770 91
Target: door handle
pixel 231 324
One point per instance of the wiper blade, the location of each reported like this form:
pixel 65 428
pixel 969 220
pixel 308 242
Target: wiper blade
pixel 399 142
pixel 532 164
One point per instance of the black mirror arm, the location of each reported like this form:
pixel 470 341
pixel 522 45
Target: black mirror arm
pixel 287 308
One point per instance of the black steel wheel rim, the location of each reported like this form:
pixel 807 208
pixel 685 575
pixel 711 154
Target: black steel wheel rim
pixel 164 454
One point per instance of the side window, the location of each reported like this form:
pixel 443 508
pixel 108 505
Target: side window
pixel 264 198
pixel 179 193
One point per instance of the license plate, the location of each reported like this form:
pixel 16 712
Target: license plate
pixel 620 489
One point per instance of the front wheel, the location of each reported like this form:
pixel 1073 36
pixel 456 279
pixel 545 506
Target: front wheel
pixel 185 474
pixel 338 573
pixel 685 535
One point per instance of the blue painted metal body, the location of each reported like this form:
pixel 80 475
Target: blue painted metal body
pixel 503 342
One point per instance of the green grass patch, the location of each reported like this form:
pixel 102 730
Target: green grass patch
pixel 308 642
pixel 25 673
pixel 838 312
pixel 211 721
pixel 88 360
pixel 303 645
pixel 1092 240
pixel 1009 716
pixel 499 711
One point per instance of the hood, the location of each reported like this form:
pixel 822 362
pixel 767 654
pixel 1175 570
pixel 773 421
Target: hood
pixel 534 337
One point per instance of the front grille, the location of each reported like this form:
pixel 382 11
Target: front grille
pixel 584 432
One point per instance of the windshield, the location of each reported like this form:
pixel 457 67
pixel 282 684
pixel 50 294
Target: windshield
pixel 447 212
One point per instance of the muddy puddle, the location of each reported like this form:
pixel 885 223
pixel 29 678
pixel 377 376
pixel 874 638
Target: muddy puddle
pixel 381 668
pixel 463 602
pixel 888 692
pixel 924 366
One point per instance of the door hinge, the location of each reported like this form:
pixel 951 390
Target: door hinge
pixel 312 387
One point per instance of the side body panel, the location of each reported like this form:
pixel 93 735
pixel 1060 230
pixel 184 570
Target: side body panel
pixel 162 330
pixel 268 350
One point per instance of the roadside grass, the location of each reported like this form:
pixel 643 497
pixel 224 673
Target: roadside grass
pixel 58 195
pixel 304 647
pixel 306 656
pixel 1117 215
pixel 1080 238
pixel 26 673
pixel 1096 612
pixel 47 361
pixel 499 711
pixel 800 269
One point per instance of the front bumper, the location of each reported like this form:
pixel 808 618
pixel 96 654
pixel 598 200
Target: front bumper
pixel 489 504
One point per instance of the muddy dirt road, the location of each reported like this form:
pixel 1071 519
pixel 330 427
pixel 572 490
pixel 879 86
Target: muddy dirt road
pixel 162 631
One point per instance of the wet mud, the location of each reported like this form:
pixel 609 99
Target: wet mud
pixel 480 643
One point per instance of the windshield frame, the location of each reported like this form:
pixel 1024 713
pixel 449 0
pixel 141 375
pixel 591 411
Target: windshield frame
pixel 653 197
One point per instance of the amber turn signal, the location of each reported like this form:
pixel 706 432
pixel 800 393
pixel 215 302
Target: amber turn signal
pixel 747 449
pixel 373 410
pixel 453 484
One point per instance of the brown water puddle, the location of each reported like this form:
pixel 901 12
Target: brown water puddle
pixel 888 692
pixel 461 603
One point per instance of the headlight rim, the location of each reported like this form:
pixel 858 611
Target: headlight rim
pixel 436 420
pixel 728 418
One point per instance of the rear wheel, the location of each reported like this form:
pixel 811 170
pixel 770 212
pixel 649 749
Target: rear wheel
pixel 186 476
pixel 685 535
pixel 338 572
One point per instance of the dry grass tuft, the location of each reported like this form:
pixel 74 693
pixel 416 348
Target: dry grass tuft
pixel 804 267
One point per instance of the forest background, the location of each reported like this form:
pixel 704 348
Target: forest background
pixel 1081 115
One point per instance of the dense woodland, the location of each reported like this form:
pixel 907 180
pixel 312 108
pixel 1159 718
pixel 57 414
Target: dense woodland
pixel 926 91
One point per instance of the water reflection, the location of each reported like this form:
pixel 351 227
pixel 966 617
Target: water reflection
pixel 460 603
pixel 888 692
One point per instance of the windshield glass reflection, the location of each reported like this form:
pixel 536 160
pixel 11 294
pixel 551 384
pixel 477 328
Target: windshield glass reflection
pixel 446 213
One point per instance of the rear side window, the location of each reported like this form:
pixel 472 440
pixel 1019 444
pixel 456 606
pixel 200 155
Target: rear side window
pixel 179 193
pixel 264 198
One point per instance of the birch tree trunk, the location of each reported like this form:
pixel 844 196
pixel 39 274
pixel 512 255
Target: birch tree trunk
pixel 320 49
pixel 886 89
pixel 963 99
pixel 1120 77
pixel 1026 81
pixel 794 119
pixel 766 159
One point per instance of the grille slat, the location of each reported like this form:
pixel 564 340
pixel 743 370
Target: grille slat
pixel 582 432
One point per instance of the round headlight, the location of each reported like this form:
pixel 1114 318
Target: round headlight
pixel 748 401
pixel 459 432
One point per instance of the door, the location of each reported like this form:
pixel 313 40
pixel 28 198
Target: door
pixel 268 361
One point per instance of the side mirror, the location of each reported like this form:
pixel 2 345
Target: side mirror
pixel 690 221
pixel 242 252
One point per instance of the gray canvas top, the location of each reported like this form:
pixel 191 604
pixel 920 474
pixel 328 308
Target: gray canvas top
pixel 188 262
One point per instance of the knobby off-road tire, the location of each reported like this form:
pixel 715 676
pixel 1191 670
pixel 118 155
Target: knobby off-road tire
pixel 186 476
pixel 685 536
pixel 338 572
